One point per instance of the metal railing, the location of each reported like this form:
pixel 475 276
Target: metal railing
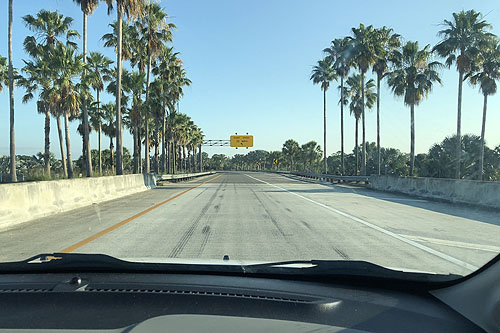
pixel 183 176
pixel 326 177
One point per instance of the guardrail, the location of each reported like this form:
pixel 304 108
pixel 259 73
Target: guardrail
pixel 326 177
pixel 183 176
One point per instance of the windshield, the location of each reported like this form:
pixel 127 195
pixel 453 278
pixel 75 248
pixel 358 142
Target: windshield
pixel 252 131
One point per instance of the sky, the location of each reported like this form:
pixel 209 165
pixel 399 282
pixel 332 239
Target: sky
pixel 250 63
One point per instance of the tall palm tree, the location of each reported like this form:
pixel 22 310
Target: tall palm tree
pixel 155 32
pixel 386 42
pixel 486 75
pixel 13 175
pixel 364 53
pixel 38 77
pixel 87 7
pixel 353 96
pixel 339 55
pixel 69 67
pixel 413 77
pixel 135 85
pixel 133 9
pixel 50 29
pixel 323 74
pixel 99 73
pixel 462 37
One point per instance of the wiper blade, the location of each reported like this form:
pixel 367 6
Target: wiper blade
pixel 344 269
pixel 79 262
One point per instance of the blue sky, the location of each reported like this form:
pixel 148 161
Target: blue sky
pixel 250 63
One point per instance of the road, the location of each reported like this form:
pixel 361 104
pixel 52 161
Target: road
pixel 268 217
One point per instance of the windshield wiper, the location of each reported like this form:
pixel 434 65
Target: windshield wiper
pixel 324 270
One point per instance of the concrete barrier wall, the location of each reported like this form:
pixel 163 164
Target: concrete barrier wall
pixel 473 192
pixel 22 202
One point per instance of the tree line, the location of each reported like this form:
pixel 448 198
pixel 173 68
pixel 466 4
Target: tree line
pixel 438 162
pixel 67 85
pixel 410 71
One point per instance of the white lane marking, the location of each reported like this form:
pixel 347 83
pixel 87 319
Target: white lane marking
pixel 482 247
pixel 382 230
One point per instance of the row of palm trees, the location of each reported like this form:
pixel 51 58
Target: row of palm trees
pixel 410 72
pixel 64 82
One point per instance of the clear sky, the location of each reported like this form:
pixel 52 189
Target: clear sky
pixel 250 63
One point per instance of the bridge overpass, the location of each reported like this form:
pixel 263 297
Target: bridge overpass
pixel 259 216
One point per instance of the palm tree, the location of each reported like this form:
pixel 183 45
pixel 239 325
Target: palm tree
pixel 339 55
pixel 87 7
pixel 69 66
pixel 154 32
pixel 135 85
pixel 291 150
pixel 108 127
pixel 353 96
pixel 486 75
pixel 96 116
pixel 13 175
pixel 99 72
pixel 462 39
pixel 323 74
pixel 133 9
pixel 49 27
pixel 38 78
pixel 413 77
pixel 364 53
pixel 386 42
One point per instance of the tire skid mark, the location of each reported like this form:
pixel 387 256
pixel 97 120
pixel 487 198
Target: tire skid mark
pixel 268 214
pixel 341 253
pixel 190 231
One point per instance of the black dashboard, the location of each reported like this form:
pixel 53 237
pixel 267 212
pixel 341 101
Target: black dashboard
pixel 209 303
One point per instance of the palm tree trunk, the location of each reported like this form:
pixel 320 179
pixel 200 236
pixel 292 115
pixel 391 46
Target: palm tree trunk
pixel 356 147
pixel 68 146
pixel 119 146
pixel 111 152
pixel 139 147
pixel 136 162
pixel 61 146
pixel 163 148
pixel 86 143
pixel 412 134
pixel 13 175
pixel 342 170
pixel 184 157
pixel 46 155
pixel 195 162
pixel 378 123
pixel 483 129
pixel 174 157
pixel 157 146
pixel 99 132
pixel 363 127
pixel 201 160
pixel 325 170
pixel 99 148
pixel 458 153
pixel 146 143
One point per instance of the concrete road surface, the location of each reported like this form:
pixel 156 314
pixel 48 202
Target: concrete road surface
pixel 269 217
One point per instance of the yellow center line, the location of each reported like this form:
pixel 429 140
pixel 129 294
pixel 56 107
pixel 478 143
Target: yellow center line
pixel 119 224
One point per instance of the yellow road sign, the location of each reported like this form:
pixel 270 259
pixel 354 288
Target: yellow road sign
pixel 241 140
